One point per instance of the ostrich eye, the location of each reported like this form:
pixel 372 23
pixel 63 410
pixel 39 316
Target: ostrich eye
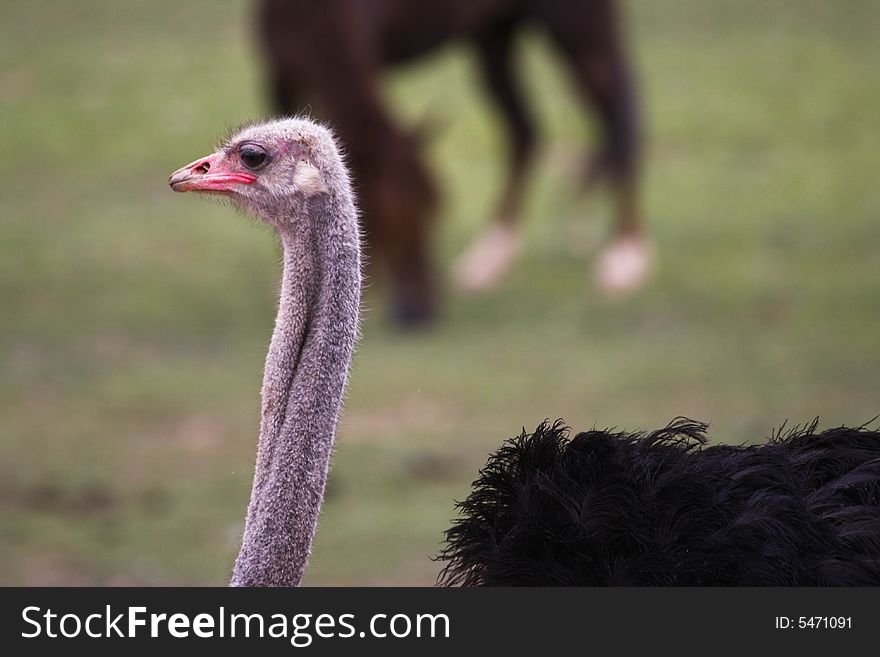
pixel 253 156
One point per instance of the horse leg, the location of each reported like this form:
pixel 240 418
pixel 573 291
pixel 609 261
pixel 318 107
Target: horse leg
pixel 489 259
pixel 589 36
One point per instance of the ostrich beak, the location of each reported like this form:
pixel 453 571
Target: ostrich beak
pixel 207 174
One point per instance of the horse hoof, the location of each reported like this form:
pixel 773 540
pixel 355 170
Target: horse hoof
pixel 624 265
pixel 488 261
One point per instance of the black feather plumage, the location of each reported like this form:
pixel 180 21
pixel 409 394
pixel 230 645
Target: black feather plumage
pixel 609 508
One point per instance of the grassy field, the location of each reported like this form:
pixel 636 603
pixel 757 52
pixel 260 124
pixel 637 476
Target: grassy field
pixel 133 322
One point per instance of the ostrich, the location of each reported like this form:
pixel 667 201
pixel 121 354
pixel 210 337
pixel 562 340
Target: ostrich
pixel 602 508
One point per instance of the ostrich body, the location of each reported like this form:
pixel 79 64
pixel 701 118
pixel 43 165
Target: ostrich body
pixel 607 508
pixel 603 508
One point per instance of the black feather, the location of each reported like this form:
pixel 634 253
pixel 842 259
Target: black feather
pixel 609 508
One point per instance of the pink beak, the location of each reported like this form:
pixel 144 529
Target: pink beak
pixel 207 175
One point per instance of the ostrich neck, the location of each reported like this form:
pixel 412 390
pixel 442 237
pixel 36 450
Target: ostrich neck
pixel 303 383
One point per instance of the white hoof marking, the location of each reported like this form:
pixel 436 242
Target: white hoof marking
pixel 624 265
pixel 489 259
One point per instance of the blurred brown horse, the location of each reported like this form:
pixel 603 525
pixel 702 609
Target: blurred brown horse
pixel 328 56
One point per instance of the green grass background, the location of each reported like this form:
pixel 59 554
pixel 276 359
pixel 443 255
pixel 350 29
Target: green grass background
pixel 133 322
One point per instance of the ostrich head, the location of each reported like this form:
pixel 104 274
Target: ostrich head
pixel 266 169
pixel 289 173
